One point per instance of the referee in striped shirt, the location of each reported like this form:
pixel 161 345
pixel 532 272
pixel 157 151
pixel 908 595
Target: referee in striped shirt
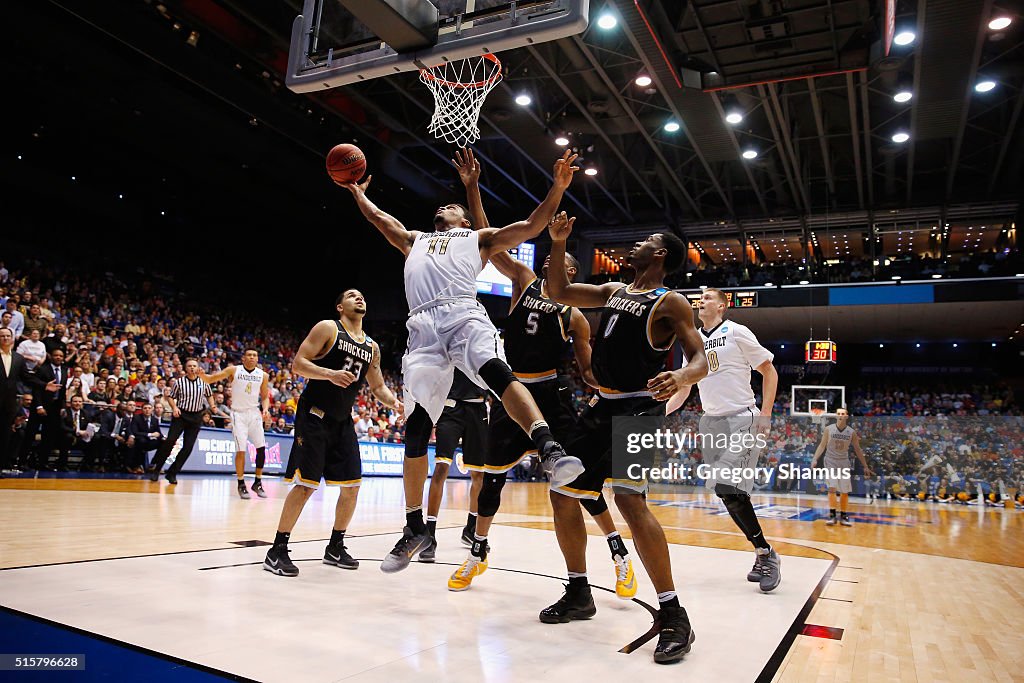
pixel 190 397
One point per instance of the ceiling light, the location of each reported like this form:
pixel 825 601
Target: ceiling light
pixel 671 126
pixel 733 117
pixel 804 282
pixel 999 23
pixel 903 96
pixel 985 86
pixel 523 100
pixel 607 21
pixel 900 137
pixel 904 37
pixel 591 171
pixel 749 154
pixel 561 141
pixel 643 80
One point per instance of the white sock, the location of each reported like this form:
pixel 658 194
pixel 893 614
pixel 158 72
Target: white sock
pixel 666 596
pixel 430 518
pixel 577 575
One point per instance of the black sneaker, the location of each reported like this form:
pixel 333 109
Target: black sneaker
pixel 257 488
pixel 468 536
pixel 338 556
pixel 154 475
pixel 576 603
pixel 429 553
pixel 243 492
pixel 278 562
pixel 401 555
pixel 675 635
pixel 560 468
pixel 171 477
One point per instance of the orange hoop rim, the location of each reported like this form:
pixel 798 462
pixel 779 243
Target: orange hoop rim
pixel 493 78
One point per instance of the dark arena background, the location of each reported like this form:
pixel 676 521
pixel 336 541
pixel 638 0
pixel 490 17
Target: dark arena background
pixel 846 173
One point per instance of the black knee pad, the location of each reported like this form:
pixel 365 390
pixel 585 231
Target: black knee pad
pixel 497 375
pixel 489 499
pixel 727 492
pixel 417 433
pixel 261 457
pixel 595 507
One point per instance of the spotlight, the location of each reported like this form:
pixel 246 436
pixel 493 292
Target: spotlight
pixel 984 86
pixel 591 171
pixel 903 96
pixel 904 37
pixel 917 345
pixel 881 346
pixel 804 282
pixel 749 154
pixel 561 141
pixel 999 23
pixel 523 100
pixel 607 21
pixel 733 117
pixel 936 276
pixel 955 346
pixel 671 127
pixel 643 80
pixel 900 137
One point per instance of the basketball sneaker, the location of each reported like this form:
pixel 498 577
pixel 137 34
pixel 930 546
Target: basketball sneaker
pixel 337 555
pixel 468 536
pixel 675 637
pixel 429 553
pixel 575 603
pixel 845 520
pixel 257 488
pixel 831 521
pixel 560 468
pixel 625 580
pixel 401 555
pixel 243 492
pixel 754 575
pixel 462 577
pixel 771 569
pixel 278 561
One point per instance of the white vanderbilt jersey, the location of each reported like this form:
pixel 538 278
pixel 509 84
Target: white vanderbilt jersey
pixel 442 265
pixel 245 389
pixel 732 351
pixel 838 449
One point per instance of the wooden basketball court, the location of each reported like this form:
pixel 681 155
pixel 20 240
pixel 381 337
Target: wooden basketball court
pixel 912 592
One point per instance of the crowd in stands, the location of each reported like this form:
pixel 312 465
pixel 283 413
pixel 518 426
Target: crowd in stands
pixel 122 346
pixel 999 263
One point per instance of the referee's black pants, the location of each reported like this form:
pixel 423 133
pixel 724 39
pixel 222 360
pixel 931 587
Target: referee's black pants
pixel 188 424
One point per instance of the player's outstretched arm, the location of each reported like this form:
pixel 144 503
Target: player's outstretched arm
pixel 468 166
pixel 493 240
pixel 316 344
pixel 217 376
pixel 388 225
pixel 375 379
pixel 559 287
pixel 579 330
pixel 678 312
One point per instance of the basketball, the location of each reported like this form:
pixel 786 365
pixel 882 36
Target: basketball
pixel 346 163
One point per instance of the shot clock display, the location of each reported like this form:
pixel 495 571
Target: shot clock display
pixel 820 351
pixel 735 299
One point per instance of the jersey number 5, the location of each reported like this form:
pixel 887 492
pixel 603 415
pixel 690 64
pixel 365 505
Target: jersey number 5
pixel 712 360
pixel 532 322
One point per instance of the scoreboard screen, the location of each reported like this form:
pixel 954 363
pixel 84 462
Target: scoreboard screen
pixel 735 299
pixel 820 352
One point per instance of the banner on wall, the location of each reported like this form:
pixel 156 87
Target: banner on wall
pixel 214 452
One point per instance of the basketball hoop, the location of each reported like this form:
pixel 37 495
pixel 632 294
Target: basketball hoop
pixel 460 88
pixel 817 415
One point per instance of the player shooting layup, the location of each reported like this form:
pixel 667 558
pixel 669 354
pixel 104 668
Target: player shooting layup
pixel 449 328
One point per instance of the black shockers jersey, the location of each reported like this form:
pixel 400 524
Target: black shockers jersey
pixel 346 353
pixel 537 334
pixel 625 356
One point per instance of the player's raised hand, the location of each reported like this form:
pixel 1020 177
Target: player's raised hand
pixel 342 378
pixel 560 226
pixel 467 165
pixel 564 169
pixel 356 188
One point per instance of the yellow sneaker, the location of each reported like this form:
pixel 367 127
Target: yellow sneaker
pixel 461 579
pixel 625 580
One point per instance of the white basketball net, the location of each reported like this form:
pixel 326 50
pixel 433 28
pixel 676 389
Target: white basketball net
pixel 460 88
